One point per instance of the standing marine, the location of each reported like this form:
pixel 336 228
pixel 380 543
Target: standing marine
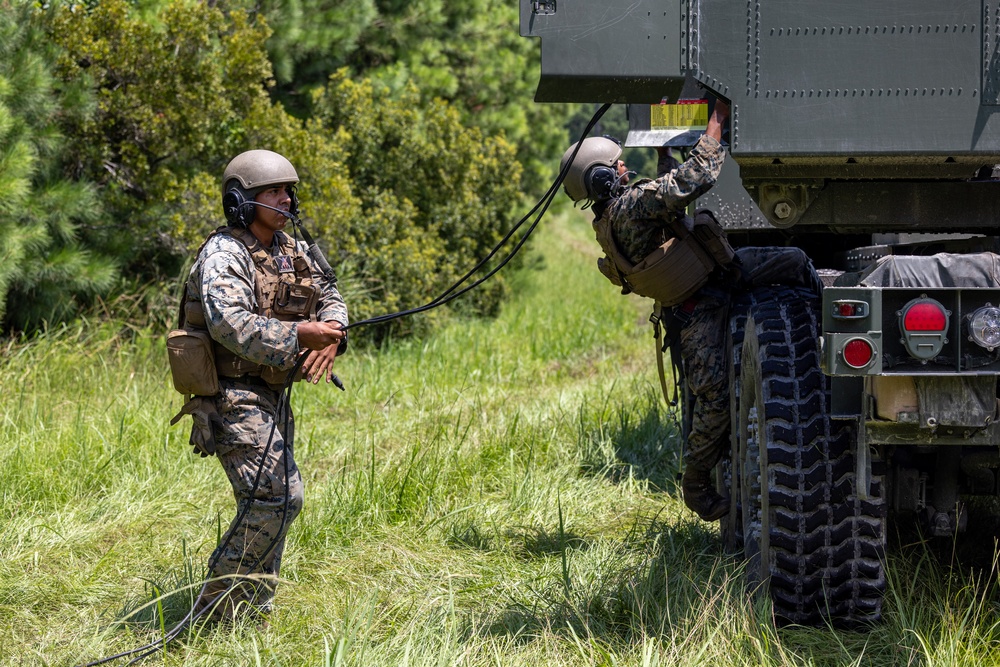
pixel 258 302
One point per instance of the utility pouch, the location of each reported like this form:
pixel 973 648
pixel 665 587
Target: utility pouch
pixel 607 267
pixel 295 299
pixel 673 272
pixel 192 362
pixel 206 419
pixel 712 237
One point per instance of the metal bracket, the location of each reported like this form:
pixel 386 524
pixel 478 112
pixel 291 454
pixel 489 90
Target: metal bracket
pixel 783 204
pixel 543 7
pixel 863 464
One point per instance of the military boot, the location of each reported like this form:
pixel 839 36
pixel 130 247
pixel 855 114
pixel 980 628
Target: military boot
pixel 701 497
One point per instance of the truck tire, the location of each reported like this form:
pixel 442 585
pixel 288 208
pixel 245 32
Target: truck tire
pixel 810 542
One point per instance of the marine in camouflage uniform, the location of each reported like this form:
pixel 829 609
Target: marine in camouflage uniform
pixel 250 433
pixel 641 219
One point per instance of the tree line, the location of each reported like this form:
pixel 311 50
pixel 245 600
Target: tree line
pixel 411 124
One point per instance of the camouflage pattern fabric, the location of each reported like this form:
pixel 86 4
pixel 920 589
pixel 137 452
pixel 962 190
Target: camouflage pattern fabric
pixel 703 344
pixel 244 444
pixel 223 278
pixel 639 216
pixel 704 359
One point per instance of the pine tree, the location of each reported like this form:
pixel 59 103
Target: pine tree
pixel 44 273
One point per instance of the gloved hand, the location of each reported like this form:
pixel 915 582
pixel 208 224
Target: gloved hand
pixel 206 418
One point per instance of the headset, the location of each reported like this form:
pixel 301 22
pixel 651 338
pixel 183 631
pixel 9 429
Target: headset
pixel 238 204
pixel 601 182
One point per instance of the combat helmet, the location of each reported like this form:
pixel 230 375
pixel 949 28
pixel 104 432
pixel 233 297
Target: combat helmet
pixel 246 175
pixel 594 172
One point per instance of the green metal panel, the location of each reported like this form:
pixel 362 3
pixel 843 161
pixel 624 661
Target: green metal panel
pixel 853 77
pixel 596 51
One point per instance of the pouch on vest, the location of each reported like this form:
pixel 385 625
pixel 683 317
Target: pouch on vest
pixel 192 362
pixel 673 272
pixel 607 267
pixel 294 299
pixel 712 237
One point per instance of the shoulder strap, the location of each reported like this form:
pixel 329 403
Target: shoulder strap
pixel 184 290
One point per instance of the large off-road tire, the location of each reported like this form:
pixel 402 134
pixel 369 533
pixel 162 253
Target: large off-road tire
pixel 811 543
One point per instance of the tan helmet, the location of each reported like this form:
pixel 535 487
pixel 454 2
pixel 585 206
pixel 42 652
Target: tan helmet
pixel 585 179
pixel 246 175
pixel 257 169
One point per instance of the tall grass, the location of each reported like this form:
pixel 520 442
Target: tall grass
pixel 501 493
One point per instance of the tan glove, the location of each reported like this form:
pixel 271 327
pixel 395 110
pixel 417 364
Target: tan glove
pixel 206 419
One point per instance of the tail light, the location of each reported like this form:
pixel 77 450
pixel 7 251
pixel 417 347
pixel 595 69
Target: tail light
pixel 858 353
pixel 924 325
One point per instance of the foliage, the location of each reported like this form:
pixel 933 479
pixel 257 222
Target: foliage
pixel 467 53
pixel 413 156
pixel 44 269
pixel 434 195
pixel 172 100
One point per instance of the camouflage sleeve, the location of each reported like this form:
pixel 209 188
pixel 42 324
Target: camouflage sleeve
pixel 331 306
pixel 694 177
pixel 227 295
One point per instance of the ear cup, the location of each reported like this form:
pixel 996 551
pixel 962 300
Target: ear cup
pixel 600 180
pixel 237 207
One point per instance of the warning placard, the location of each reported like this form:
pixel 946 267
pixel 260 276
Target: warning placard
pixel 685 115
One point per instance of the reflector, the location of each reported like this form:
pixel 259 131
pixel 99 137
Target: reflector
pixel 858 353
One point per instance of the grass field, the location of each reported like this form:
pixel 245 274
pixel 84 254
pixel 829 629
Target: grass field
pixel 500 493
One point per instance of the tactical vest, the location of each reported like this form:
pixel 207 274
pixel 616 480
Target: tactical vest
pixel 675 270
pixel 284 290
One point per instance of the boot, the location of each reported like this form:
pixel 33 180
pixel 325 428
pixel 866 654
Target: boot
pixel 701 497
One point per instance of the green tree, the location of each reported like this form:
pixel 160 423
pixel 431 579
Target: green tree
pixel 468 53
pixel 45 274
pixel 171 98
pixel 434 195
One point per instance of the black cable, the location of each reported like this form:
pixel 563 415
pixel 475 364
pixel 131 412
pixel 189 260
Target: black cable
pixel 544 203
pixel 284 400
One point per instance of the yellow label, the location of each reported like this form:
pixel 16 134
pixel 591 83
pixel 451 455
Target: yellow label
pixel 691 115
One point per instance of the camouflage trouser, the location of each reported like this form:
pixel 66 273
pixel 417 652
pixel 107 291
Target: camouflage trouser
pixel 248 413
pixel 703 346
pixel 704 358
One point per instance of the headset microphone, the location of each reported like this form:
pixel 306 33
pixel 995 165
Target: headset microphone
pixel 287 214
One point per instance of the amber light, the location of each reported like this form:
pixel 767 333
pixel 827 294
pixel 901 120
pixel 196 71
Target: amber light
pixel 858 353
pixel 925 316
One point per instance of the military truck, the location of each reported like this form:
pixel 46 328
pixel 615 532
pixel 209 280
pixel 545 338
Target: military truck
pixel 865 133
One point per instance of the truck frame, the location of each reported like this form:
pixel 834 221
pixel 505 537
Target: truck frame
pixel 865 133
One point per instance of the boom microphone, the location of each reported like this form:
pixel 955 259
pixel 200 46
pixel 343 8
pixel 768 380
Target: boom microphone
pixel 287 214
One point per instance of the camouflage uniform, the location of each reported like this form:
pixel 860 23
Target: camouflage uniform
pixel 703 343
pixel 223 279
pixel 641 214
pixel 640 218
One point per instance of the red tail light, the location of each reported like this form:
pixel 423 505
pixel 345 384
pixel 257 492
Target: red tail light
pixel 924 325
pixel 926 315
